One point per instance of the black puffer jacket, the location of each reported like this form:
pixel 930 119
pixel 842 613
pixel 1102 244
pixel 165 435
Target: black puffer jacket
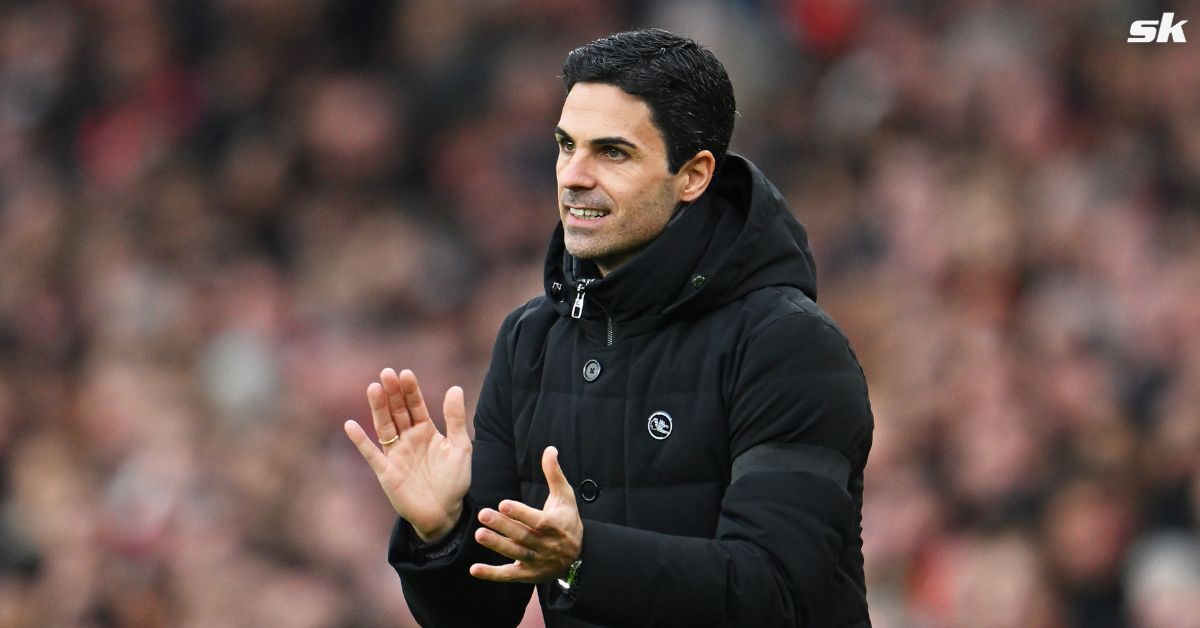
pixel 713 420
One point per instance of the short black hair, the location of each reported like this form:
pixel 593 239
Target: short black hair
pixel 686 87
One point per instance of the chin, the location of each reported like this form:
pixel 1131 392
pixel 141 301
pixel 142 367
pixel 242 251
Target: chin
pixel 581 247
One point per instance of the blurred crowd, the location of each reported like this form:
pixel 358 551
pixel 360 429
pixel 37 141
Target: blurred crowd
pixel 219 220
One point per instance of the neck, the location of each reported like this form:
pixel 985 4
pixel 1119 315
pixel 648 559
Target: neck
pixel 610 263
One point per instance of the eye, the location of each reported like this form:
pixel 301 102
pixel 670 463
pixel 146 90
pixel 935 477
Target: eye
pixel 614 153
pixel 565 145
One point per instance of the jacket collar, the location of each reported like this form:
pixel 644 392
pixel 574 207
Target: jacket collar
pixel 738 236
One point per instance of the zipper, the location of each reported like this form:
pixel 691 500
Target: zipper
pixel 577 310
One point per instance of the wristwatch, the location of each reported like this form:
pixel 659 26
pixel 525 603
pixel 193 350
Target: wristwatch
pixel 569 583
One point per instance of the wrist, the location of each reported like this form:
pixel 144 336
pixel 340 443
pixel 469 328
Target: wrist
pixel 570 579
pixel 431 535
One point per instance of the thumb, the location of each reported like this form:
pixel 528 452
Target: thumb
pixel 555 479
pixel 455 411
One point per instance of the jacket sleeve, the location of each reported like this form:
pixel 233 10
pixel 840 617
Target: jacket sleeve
pixel 437 585
pixel 799 425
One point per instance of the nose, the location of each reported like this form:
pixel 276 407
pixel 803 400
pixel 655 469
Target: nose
pixel 575 172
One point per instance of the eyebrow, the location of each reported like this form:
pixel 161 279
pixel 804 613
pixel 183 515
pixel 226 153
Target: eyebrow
pixel 615 140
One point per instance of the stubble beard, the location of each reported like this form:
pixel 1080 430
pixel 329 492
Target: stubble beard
pixel 611 250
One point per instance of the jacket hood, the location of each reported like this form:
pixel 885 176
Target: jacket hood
pixel 739 236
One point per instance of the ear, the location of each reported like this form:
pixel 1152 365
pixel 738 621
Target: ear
pixel 695 175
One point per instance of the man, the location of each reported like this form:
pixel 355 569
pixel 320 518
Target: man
pixel 674 434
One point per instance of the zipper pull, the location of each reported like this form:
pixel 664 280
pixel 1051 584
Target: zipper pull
pixel 577 308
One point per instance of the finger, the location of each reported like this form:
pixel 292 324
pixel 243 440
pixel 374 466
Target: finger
pixel 381 416
pixel 555 478
pixel 394 397
pixel 503 545
pixel 369 451
pixel 414 401
pixel 455 411
pixel 522 514
pixel 512 572
pixel 507 526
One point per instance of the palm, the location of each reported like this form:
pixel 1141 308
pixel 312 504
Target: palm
pixel 423 473
pixel 426 476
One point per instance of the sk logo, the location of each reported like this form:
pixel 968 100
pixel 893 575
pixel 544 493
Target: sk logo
pixel 1162 30
pixel 659 425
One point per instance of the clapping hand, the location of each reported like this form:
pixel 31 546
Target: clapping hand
pixel 542 543
pixel 424 474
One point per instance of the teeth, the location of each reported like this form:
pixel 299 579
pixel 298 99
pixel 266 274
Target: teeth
pixel 587 214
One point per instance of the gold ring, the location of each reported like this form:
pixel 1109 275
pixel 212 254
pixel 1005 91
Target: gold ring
pixel 390 440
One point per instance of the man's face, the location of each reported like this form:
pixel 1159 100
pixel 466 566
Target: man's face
pixel 615 193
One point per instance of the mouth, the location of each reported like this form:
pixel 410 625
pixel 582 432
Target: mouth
pixel 586 213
